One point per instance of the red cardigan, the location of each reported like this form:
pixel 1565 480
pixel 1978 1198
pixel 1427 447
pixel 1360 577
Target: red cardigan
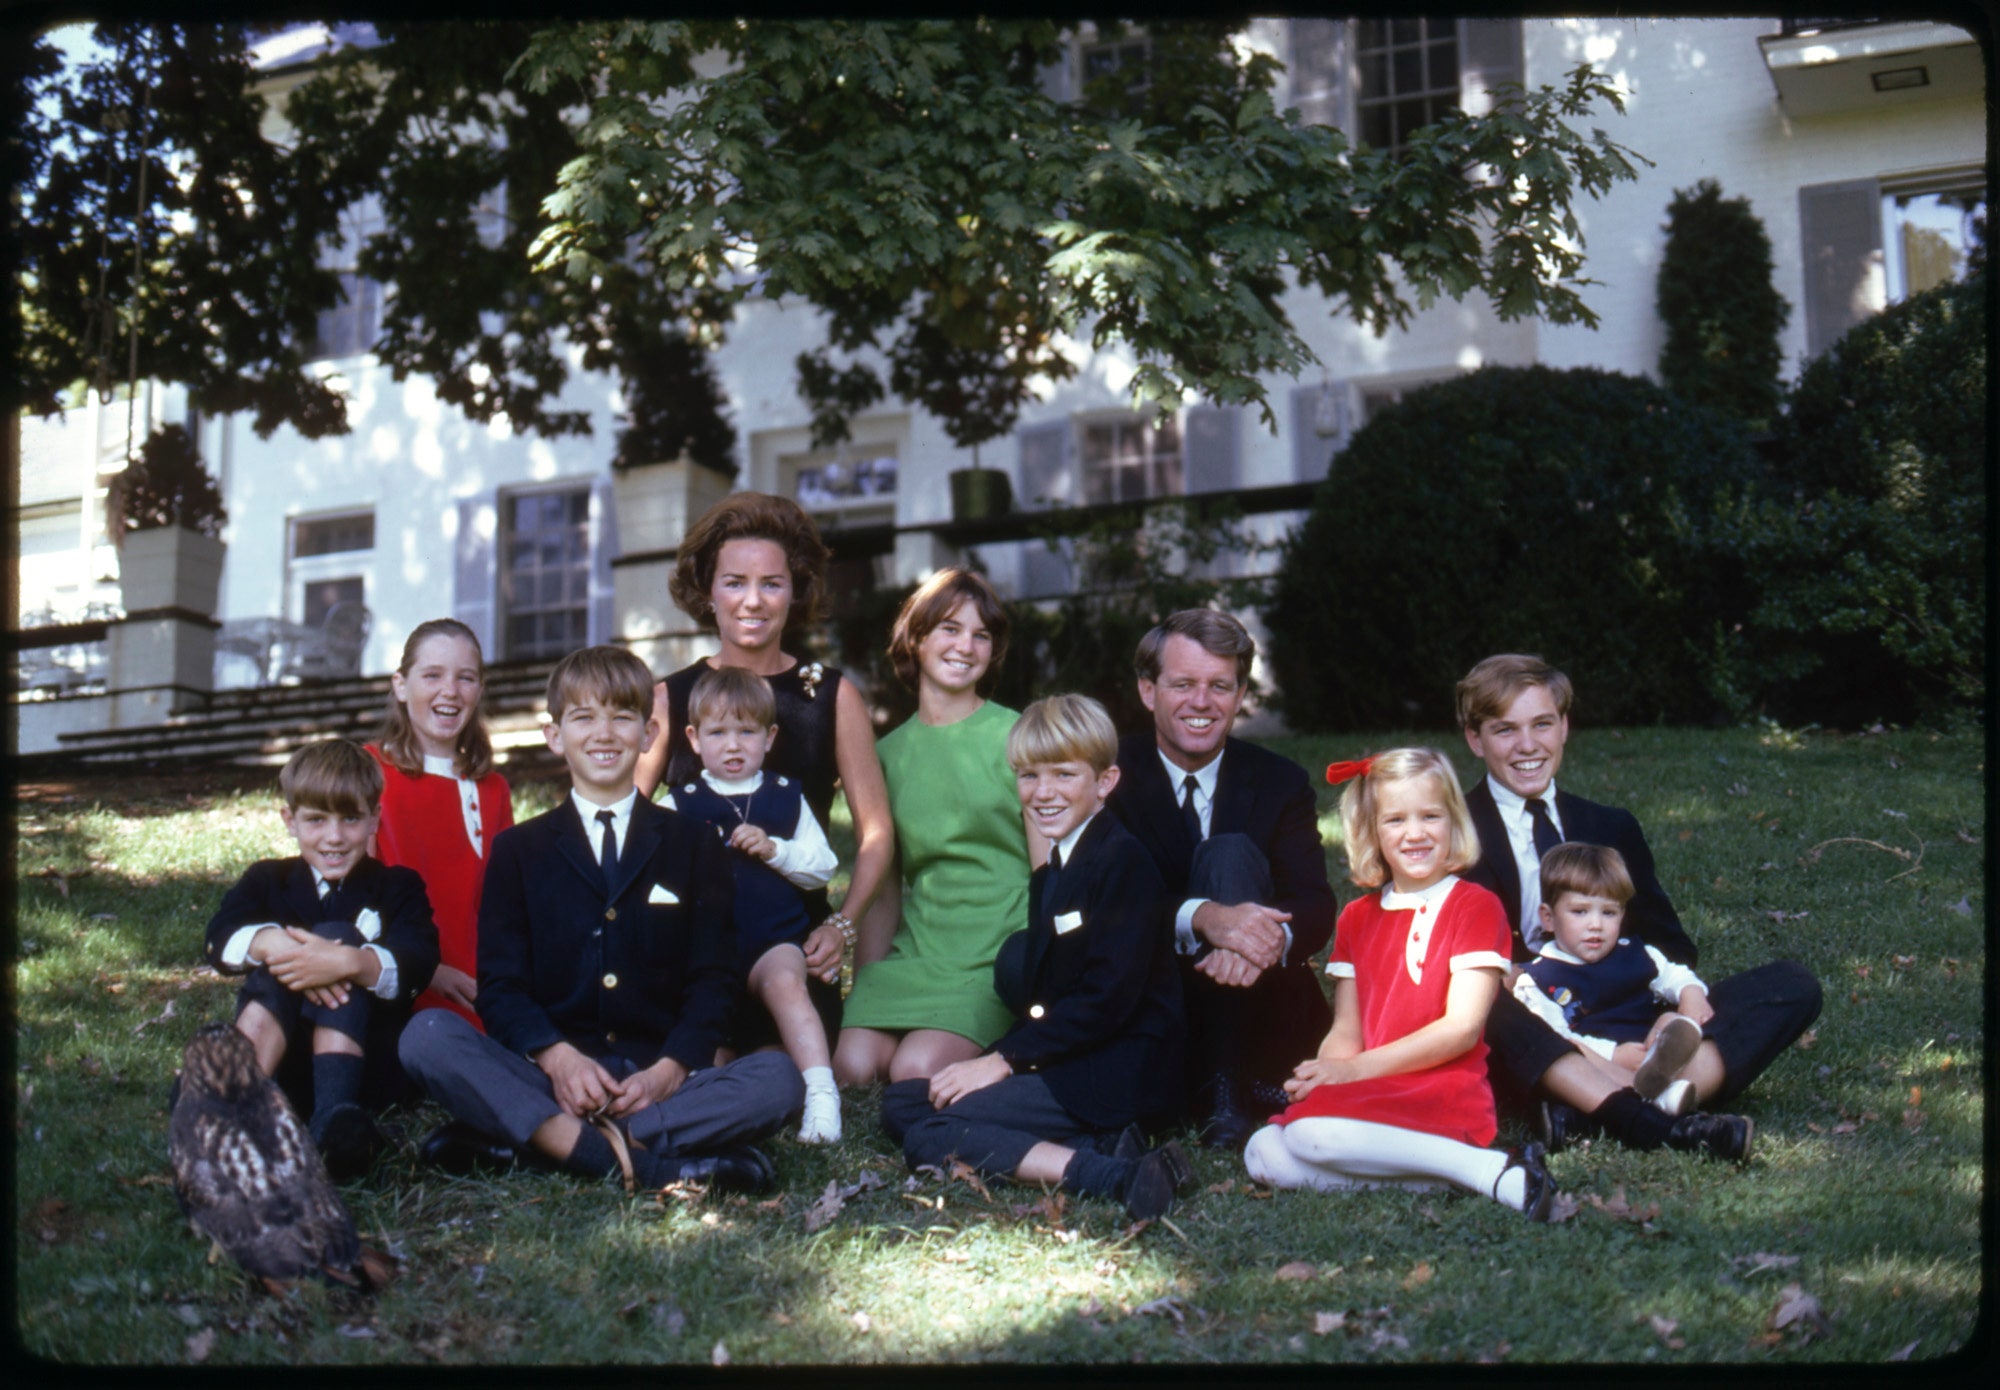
pixel 423 828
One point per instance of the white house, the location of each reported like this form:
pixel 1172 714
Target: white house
pixel 1861 145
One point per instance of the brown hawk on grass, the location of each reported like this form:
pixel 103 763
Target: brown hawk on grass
pixel 248 1177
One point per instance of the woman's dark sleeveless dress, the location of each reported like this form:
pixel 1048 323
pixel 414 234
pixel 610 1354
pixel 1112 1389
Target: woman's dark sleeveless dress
pixel 804 752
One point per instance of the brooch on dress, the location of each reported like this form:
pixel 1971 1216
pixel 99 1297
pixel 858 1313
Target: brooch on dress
pixel 810 677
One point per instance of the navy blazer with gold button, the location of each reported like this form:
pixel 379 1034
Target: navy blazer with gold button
pixel 1099 1004
pixel 284 891
pixel 645 971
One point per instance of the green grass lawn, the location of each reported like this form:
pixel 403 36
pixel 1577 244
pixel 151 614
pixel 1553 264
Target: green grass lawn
pixel 1862 856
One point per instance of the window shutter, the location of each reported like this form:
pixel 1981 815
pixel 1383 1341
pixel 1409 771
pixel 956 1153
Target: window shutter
pixel 1840 231
pixel 1490 54
pixel 603 546
pixel 472 590
pixel 1208 448
pixel 1312 452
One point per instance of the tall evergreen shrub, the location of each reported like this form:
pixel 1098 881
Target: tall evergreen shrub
pixel 1869 565
pixel 1514 509
pixel 1721 312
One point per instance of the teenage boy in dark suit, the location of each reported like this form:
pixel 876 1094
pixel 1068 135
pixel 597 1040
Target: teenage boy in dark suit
pixel 1092 981
pixel 606 973
pixel 1234 831
pixel 1515 713
pixel 334 946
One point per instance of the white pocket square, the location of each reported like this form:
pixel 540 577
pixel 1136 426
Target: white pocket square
pixel 1068 922
pixel 661 894
pixel 368 923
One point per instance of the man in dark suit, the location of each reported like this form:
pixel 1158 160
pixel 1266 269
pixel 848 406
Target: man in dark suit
pixel 606 974
pixel 1234 831
pixel 1515 713
pixel 1091 981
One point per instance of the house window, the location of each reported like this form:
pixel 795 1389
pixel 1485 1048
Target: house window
pixel 545 572
pixel 331 535
pixel 1408 71
pixel 837 481
pixel 349 328
pixel 1929 235
pixel 1117 75
pixel 319 597
pixel 1129 459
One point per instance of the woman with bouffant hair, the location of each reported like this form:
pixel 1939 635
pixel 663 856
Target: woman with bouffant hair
pixel 923 990
pixel 751 568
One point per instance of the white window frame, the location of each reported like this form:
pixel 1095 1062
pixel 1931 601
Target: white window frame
pixel 304 570
pixel 1894 259
pixel 1152 461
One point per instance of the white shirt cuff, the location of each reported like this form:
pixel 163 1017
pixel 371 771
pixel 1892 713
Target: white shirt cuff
pixel 386 982
pixel 236 951
pixel 1184 939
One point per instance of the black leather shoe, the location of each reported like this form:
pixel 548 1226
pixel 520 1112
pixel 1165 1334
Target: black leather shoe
pixel 1267 1099
pixel 1562 1126
pixel 1532 1160
pixel 1149 1192
pixel 1225 1125
pixel 741 1169
pixel 348 1141
pixel 459 1149
pixel 1714 1136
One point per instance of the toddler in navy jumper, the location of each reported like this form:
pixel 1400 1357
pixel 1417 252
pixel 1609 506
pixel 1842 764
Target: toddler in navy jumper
pixel 1625 1005
pixel 779 852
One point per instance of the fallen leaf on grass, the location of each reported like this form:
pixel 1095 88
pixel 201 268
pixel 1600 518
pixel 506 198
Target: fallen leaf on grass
pixel 781 1318
pixel 1762 1260
pixel 201 1344
pixel 964 1172
pixel 1903 962
pixel 1562 1207
pixel 862 1322
pixel 718 1355
pixel 1617 1206
pixel 161 1017
pixel 826 1208
pixel 359 1331
pixel 1298 1269
pixel 1963 907
pixel 1172 1306
pixel 1903 1353
pixel 1798 1308
pixel 1495 1356
pixel 1846 1127
pixel 1419 1276
pixel 1899 815
pixel 953 1257
pixel 1806 1040
pixel 1664 1329
pixel 1781 916
pixel 1687 835
pixel 1220 1189
pixel 1323 1323
pixel 1383 1337
pixel 1913 1119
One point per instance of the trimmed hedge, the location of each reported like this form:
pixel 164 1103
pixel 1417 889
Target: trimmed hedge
pixel 1516 509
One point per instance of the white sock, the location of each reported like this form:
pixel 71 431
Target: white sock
pixel 821 1121
pixel 1364 1149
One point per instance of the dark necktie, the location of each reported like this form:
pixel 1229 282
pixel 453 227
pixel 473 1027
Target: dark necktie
pixel 1188 812
pixel 329 900
pixel 1546 837
pixel 607 853
pixel 1049 883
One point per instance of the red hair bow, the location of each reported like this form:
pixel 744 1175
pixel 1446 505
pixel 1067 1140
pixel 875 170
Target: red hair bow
pixel 1337 773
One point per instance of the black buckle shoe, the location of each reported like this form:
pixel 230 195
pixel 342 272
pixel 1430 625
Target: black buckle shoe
pixel 1532 1159
pixel 458 1149
pixel 1131 1146
pixel 1714 1136
pixel 739 1169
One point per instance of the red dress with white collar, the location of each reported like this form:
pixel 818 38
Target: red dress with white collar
pixel 1402 949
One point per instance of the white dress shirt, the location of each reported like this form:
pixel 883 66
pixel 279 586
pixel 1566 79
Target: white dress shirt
pixel 621 819
pixel 1520 823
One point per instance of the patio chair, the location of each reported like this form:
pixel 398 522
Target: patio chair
pixel 333 650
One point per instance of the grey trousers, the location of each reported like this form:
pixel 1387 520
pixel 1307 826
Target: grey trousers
pixel 504 1095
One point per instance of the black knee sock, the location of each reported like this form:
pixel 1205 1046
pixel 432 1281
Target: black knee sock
pixel 592 1156
pixel 1633 1121
pixel 336 1081
pixel 1092 1174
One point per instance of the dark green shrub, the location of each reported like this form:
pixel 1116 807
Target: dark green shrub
pixel 1869 564
pixel 1515 509
pixel 1720 310
pixel 166 484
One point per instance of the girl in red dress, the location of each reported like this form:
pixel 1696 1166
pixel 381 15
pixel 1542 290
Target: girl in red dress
pixel 1398 1094
pixel 442 802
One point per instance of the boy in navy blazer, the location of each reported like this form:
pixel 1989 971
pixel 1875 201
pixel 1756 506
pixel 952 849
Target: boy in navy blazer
pixel 1093 983
pixel 1515 713
pixel 607 969
pixel 334 945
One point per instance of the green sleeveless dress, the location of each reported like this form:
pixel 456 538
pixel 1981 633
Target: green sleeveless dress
pixel 965 879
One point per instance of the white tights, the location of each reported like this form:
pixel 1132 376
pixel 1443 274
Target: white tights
pixel 1332 1155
